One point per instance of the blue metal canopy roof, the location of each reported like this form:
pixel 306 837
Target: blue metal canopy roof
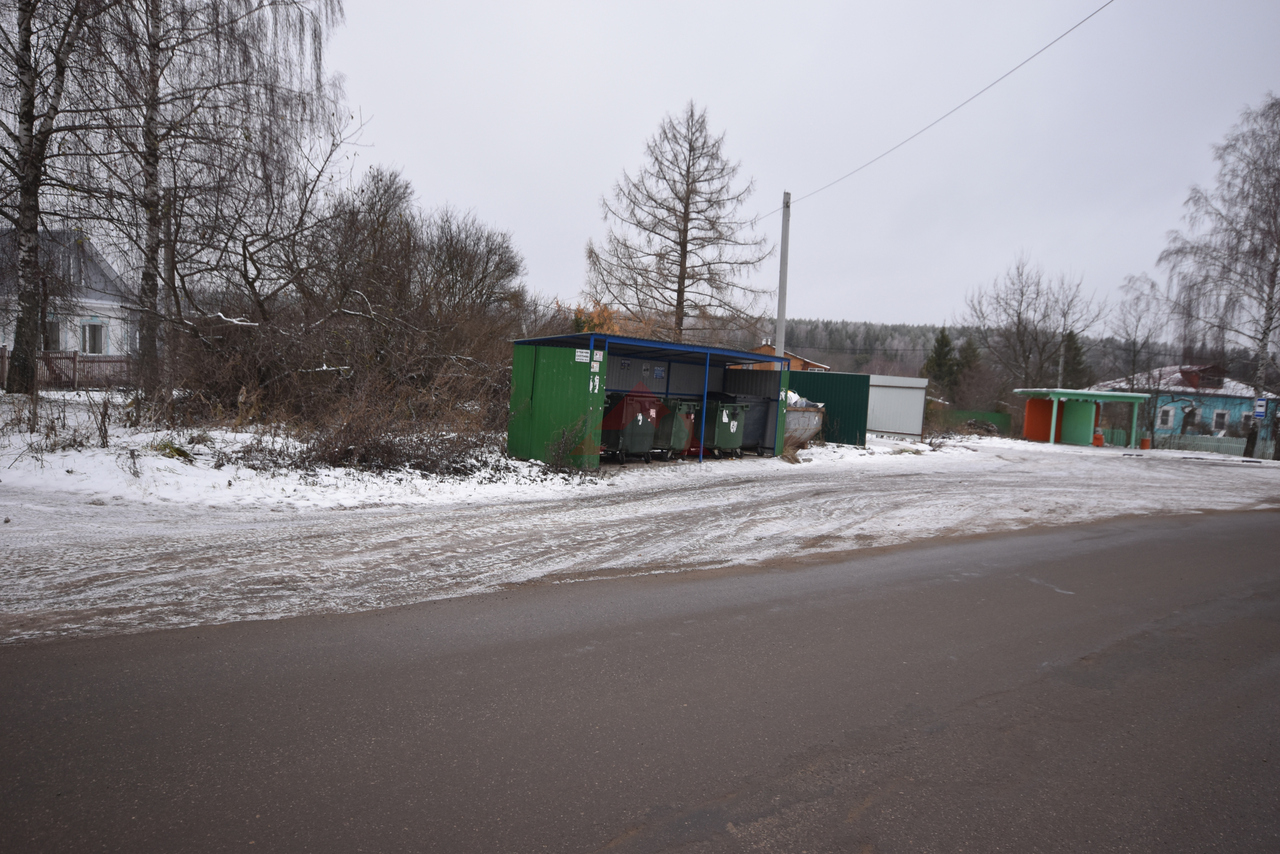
pixel 621 345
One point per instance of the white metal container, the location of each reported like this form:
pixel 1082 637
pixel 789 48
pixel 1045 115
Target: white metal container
pixel 895 406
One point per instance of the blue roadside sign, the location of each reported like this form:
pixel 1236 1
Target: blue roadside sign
pixel 1260 408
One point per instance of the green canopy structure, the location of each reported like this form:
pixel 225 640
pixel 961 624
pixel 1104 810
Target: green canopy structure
pixel 1078 416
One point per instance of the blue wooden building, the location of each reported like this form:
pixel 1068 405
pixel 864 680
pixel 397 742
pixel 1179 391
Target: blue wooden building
pixel 1197 400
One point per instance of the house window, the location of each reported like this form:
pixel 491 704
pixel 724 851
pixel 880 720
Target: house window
pixel 51 335
pixel 1166 418
pixel 93 338
pixel 1220 420
pixel 1246 422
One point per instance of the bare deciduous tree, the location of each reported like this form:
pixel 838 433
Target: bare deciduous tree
pixel 467 266
pixel 424 291
pixel 1135 346
pixel 677 246
pixel 1137 325
pixel 1225 272
pixel 364 302
pixel 1021 321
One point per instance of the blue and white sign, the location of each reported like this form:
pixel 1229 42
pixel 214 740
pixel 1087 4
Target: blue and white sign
pixel 1260 408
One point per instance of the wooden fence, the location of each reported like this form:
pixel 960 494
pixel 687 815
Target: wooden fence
pixel 73 369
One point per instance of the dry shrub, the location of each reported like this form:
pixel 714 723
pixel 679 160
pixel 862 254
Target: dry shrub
pixel 561 448
pixel 363 445
pixel 377 428
pixel 790 451
pixel 388 347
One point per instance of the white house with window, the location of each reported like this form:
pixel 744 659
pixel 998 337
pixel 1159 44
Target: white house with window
pixel 84 305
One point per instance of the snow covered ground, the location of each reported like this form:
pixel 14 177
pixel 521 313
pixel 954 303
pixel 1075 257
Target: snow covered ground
pixel 129 538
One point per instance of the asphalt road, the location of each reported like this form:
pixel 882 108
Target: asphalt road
pixel 1111 687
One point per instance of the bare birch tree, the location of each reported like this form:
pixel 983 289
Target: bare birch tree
pixel 181 78
pixel 678 248
pixel 42 43
pixel 1225 271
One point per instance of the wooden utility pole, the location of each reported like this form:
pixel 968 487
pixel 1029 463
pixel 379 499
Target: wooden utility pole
pixel 780 333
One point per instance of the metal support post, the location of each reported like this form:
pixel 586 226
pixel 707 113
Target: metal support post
pixel 706 381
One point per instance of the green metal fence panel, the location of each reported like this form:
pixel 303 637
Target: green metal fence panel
pixel 520 416
pixel 1115 436
pixel 956 417
pixel 557 400
pixel 845 398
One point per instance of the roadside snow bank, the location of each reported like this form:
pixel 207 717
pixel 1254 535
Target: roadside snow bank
pixel 130 537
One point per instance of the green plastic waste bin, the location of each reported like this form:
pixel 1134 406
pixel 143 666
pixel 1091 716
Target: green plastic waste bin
pixel 676 427
pixel 628 426
pixel 725 428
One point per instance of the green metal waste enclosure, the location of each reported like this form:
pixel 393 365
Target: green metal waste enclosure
pixel 559 385
pixel 845 397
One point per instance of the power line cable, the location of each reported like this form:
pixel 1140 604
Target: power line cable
pixel 950 112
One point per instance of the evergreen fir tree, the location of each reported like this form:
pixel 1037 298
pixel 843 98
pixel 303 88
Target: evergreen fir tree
pixel 942 366
pixel 968 358
pixel 1076 372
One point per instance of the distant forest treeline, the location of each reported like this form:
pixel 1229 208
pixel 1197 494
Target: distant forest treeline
pixel 900 349
pixel 895 349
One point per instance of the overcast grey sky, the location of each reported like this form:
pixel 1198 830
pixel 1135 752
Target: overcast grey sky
pixel 526 113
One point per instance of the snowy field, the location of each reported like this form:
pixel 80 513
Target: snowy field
pixel 130 537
